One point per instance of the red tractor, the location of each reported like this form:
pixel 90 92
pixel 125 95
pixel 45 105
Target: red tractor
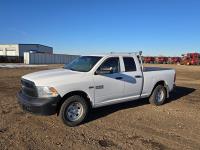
pixel 194 58
pixel 161 60
pixel 185 60
pixel 174 60
pixel 149 60
pixel 191 59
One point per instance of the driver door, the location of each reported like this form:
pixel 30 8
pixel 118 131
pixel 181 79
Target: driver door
pixel 108 83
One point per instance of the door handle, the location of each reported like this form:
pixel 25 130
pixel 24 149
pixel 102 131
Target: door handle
pixel 138 76
pixel 118 78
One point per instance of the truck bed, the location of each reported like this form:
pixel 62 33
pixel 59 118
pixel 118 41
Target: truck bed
pixel 148 69
pixel 152 75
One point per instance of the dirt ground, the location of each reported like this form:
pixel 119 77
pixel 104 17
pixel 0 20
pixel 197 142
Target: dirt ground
pixel 133 125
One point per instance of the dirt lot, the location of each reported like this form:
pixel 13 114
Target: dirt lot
pixel 132 125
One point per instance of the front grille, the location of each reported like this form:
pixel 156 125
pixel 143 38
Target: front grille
pixel 28 88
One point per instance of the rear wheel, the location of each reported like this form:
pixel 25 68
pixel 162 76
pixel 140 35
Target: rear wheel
pixel 158 95
pixel 74 110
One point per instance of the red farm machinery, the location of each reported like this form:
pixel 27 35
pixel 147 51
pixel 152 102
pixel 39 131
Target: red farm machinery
pixel 174 60
pixel 149 60
pixel 191 59
pixel 161 60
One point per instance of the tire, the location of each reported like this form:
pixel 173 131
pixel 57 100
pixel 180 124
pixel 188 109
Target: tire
pixel 73 111
pixel 157 100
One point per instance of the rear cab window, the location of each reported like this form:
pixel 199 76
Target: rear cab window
pixel 129 64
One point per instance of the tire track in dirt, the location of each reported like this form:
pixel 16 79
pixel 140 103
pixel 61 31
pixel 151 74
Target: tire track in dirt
pixel 169 137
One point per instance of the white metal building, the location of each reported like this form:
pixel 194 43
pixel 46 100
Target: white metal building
pixel 19 49
pixel 45 58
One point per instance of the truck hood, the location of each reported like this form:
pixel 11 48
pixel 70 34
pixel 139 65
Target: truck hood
pixel 47 77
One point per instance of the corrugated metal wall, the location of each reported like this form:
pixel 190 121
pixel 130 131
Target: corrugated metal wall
pixel 34 47
pixel 43 58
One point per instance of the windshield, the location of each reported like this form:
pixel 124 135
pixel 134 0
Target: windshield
pixel 83 63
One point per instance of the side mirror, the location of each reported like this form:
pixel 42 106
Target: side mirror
pixel 102 71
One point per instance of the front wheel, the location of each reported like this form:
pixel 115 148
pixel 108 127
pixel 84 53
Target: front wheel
pixel 158 96
pixel 73 111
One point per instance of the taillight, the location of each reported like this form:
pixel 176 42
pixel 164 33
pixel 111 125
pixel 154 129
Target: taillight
pixel 174 77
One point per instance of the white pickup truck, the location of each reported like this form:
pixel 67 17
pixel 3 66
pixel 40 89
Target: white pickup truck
pixel 94 81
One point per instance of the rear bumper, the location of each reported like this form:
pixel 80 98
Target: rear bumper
pixel 174 86
pixel 40 106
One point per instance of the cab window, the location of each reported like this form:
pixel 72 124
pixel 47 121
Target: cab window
pixel 129 64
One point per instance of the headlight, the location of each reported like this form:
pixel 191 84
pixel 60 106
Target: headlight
pixel 44 91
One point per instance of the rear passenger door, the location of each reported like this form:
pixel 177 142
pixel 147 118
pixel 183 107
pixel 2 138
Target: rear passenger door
pixel 132 76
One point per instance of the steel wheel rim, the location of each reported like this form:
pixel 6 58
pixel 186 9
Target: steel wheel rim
pixel 74 111
pixel 160 95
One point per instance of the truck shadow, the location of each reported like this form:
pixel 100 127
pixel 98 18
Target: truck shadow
pixel 98 113
pixel 179 92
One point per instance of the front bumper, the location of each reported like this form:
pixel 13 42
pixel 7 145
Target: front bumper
pixel 40 106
